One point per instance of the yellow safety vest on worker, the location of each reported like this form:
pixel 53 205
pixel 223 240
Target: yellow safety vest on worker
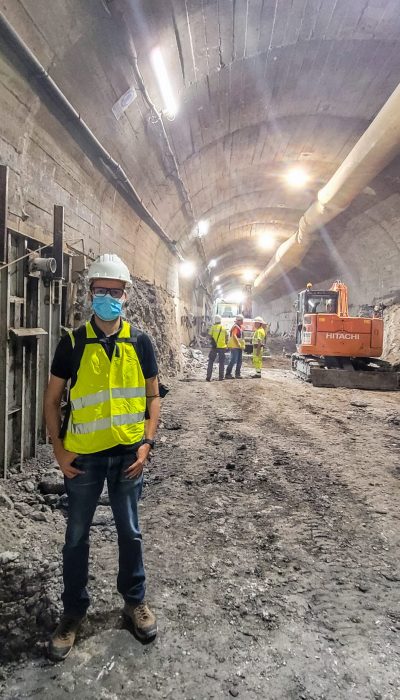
pixel 241 343
pixel 108 399
pixel 259 336
pixel 218 333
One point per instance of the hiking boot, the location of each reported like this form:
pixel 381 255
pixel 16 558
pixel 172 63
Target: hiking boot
pixel 63 638
pixel 256 376
pixel 238 376
pixel 143 620
pixel 229 376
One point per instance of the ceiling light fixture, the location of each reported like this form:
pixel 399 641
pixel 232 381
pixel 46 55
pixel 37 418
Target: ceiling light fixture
pixel 212 264
pixel 187 268
pixel 164 84
pixel 202 228
pixel 266 241
pixel 248 275
pixel 297 177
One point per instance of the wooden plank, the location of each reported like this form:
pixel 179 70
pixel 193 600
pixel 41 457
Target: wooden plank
pixel 58 241
pixel 27 332
pixel 4 354
pixel 3 212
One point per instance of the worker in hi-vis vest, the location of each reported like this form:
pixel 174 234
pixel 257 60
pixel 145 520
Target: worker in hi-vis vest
pixel 236 344
pixel 219 338
pixel 113 380
pixel 258 341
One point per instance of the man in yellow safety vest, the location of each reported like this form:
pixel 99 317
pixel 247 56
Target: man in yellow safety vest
pixel 236 343
pixel 259 336
pixel 105 437
pixel 219 337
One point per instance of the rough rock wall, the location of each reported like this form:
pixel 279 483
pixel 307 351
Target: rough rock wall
pixel 391 346
pixel 151 309
pixel 279 313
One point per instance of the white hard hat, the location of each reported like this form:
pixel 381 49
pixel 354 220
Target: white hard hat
pixel 259 319
pixel 217 319
pixel 109 267
pixel 239 317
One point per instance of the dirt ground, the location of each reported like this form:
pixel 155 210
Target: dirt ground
pixel 271 527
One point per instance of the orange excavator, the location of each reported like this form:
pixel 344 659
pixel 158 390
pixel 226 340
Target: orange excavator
pixel 338 350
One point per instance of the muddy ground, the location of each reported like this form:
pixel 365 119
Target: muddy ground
pixel 271 521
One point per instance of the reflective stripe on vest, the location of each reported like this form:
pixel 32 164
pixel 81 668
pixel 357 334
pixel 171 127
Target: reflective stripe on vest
pixel 104 423
pixel 108 399
pixel 100 396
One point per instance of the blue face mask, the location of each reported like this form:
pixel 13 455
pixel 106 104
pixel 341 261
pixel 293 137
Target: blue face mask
pixel 107 308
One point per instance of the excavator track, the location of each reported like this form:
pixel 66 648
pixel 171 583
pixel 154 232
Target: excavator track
pixel 369 373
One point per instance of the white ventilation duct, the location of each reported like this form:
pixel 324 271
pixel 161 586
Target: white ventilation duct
pixel 372 153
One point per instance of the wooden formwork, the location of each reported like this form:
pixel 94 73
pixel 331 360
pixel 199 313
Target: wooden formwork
pixel 32 311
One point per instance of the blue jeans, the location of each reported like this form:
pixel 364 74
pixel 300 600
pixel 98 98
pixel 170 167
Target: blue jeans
pixel 236 359
pixel 83 493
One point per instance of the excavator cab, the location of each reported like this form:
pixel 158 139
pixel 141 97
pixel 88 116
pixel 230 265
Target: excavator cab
pixel 314 302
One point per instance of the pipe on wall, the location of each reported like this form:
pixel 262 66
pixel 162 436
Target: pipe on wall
pixel 379 144
pixel 94 149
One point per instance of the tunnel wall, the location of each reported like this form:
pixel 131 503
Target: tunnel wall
pixel 367 259
pixel 48 166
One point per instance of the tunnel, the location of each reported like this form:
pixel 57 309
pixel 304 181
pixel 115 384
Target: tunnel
pixel 241 158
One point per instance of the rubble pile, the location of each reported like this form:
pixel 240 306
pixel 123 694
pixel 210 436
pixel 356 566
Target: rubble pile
pixel 26 608
pixel 194 362
pixel 391 346
pixel 30 569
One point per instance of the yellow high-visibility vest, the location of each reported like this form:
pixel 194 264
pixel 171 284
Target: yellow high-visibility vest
pixel 218 333
pixel 108 399
pixel 241 344
pixel 259 336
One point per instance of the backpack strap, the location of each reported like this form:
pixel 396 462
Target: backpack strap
pixel 78 342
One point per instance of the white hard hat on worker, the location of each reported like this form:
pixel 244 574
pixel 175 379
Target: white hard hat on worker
pixel 217 318
pixel 109 267
pixel 259 319
pixel 108 278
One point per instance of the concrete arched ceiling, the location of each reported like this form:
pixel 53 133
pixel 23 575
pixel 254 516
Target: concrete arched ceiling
pixel 261 85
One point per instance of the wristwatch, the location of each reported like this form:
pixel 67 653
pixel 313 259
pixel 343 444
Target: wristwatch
pixel 147 441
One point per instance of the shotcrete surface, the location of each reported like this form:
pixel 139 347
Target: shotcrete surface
pixel 271 528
